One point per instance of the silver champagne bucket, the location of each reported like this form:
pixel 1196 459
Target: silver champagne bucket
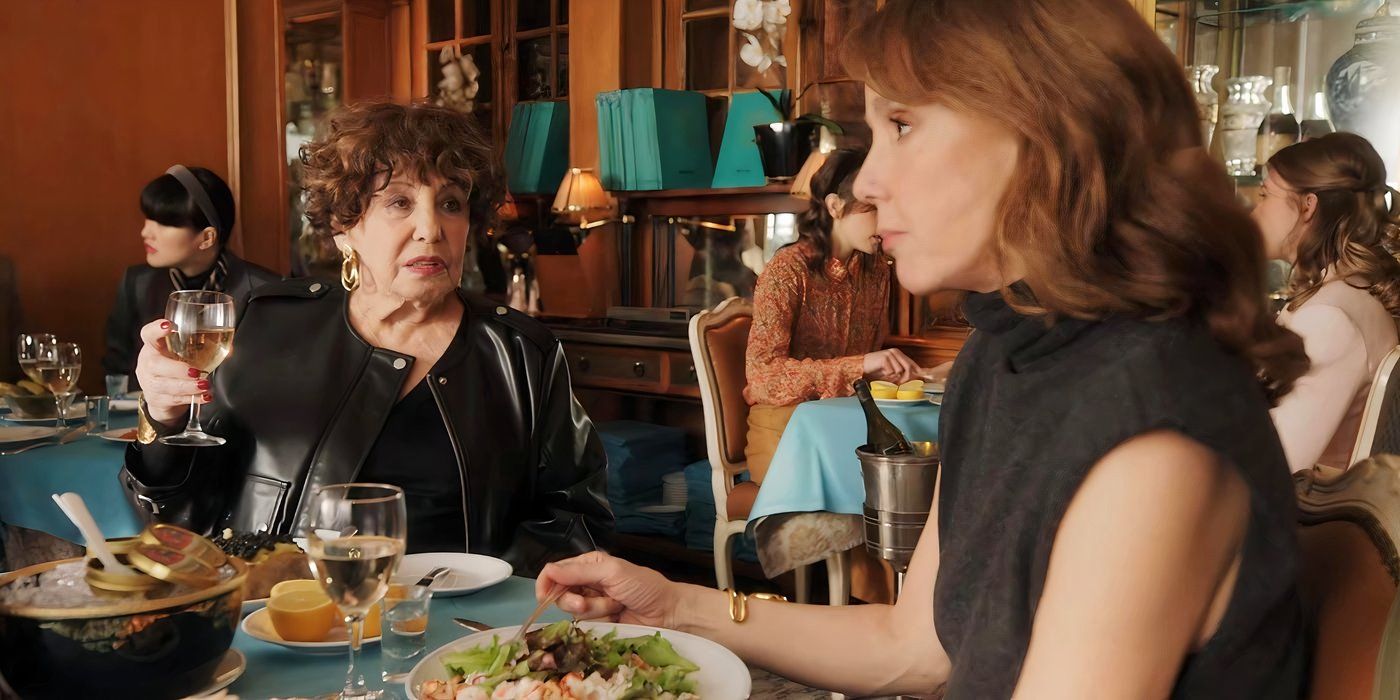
pixel 898 497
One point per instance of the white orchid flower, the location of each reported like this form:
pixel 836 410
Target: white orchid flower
pixel 753 54
pixel 776 11
pixel 748 15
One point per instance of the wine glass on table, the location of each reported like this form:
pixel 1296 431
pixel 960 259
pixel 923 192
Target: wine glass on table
pixel 55 366
pixel 356 539
pixel 202 337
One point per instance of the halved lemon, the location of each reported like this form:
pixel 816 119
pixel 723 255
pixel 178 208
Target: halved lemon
pixel 910 390
pixel 883 390
pixel 302 616
pixel 293 585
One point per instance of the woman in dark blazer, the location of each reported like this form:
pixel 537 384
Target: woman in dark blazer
pixel 189 219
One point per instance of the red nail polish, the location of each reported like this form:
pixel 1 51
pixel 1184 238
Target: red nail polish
pixel 203 384
pixel 208 398
pixel 194 373
pixel 165 325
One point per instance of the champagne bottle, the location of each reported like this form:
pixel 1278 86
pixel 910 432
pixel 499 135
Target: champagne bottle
pixel 880 434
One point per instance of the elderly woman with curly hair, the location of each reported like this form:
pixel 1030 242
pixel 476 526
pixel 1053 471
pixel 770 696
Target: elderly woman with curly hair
pixel 393 375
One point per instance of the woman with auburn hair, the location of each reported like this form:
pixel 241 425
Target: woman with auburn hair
pixel 1115 517
pixel 392 374
pixel 1323 209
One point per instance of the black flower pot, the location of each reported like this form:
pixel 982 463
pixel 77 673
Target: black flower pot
pixel 784 147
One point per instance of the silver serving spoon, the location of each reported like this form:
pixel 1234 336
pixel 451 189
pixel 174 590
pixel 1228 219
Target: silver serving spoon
pixel 77 511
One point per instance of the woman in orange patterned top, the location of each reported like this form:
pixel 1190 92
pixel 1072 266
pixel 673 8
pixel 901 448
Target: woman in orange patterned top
pixel 819 312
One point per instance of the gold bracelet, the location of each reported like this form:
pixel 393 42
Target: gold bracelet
pixel 739 602
pixel 145 431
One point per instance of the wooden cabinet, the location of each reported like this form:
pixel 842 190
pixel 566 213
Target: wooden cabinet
pixel 484 56
pixel 630 363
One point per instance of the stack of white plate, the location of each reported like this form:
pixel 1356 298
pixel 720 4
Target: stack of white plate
pixel 673 489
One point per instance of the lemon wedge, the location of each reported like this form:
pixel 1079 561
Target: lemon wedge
pixel 910 390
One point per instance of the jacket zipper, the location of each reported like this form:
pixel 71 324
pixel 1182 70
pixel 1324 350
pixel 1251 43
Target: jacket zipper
pixel 461 457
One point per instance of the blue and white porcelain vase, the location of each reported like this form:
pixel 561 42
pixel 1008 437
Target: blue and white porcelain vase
pixel 1363 86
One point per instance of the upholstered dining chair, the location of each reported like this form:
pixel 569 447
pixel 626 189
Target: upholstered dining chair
pixel 718 341
pixel 1380 421
pixel 1349 525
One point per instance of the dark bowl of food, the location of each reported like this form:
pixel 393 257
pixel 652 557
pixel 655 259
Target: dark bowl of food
pixel 78 641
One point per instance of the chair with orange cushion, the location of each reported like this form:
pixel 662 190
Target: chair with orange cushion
pixel 718 342
pixel 1349 524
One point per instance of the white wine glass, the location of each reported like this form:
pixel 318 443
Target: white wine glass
pixel 202 337
pixel 356 539
pixel 55 366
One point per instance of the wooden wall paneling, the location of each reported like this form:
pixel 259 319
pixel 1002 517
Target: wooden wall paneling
pixel 418 58
pixel 262 203
pixel 98 101
pixel 401 43
pixel 368 69
pixel 1148 10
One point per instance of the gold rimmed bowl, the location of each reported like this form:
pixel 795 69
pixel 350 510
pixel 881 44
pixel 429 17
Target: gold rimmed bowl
pixel 165 641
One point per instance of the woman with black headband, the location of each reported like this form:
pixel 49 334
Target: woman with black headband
pixel 189 218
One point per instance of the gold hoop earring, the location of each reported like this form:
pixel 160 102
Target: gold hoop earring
pixel 350 270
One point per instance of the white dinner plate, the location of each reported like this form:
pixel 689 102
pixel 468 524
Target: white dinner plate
pixel 15 434
pixel 230 669
pixel 468 573
pixel 75 412
pixel 934 387
pixel 119 435
pixel 722 676
pixel 259 626
pixel 122 405
pixel 901 402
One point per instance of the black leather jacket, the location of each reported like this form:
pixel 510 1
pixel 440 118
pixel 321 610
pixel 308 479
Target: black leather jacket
pixel 301 401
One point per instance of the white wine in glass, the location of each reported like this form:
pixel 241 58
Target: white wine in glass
pixel 53 365
pixel 202 337
pixel 356 539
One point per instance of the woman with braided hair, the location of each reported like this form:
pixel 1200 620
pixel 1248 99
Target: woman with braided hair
pixel 1323 208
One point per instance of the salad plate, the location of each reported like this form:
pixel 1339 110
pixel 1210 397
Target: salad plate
pixel 676 664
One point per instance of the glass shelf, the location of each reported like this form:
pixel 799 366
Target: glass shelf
pixel 1217 14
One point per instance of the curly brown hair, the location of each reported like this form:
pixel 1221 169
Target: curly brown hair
pixel 1114 207
pixel 365 143
pixel 1354 231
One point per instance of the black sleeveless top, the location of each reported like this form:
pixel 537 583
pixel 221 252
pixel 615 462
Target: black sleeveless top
pixel 1031 407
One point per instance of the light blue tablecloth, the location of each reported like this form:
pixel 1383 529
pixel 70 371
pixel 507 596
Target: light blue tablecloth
pixel 815 467
pixel 274 671
pixel 87 466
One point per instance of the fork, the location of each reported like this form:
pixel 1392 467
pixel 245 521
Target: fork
pixel 543 605
pixel 64 439
pixel 432 576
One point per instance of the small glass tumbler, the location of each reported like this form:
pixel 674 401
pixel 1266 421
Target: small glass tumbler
pixel 99 413
pixel 404 625
pixel 117 385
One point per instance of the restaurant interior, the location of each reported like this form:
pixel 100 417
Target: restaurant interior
pixel 654 159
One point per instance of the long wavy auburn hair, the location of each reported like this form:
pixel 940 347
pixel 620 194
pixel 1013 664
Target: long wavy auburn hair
pixel 1114 208
pixel 1354 230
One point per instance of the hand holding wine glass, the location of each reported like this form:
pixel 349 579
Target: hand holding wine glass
pixel 179 352
pixel 356 539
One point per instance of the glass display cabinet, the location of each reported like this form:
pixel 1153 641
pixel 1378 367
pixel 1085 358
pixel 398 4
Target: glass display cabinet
pixel 1268 73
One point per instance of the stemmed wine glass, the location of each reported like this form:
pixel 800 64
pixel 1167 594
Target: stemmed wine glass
pixel 202 337
pixel 356 539
pixel 55 366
